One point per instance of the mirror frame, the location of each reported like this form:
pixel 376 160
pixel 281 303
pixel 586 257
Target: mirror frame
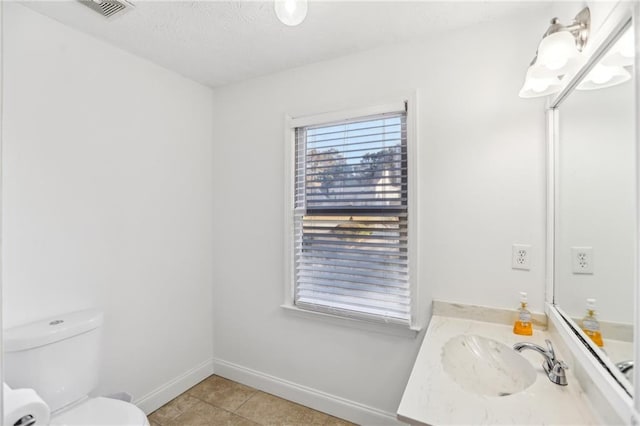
pixel 1 203
pixel 602 372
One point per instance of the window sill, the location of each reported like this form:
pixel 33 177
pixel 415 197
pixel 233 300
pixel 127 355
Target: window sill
pixel 378 327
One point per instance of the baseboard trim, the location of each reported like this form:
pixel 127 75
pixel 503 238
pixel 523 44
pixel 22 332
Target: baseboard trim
pixel 165 393
pixel 313 398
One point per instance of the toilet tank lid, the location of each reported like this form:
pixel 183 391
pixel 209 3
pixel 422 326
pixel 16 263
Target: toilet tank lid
pixel 50 330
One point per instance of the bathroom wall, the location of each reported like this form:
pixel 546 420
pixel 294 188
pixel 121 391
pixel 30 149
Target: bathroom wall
pixel 481 189
pixel 107 201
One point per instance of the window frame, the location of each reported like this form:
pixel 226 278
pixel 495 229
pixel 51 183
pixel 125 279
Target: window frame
pixel 291 122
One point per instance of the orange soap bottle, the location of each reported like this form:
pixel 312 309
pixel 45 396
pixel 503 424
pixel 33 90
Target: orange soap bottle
pixel 523 325
pixel 590 324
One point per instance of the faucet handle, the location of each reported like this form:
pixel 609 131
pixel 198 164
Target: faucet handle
pixel 552 353
pixel 625 366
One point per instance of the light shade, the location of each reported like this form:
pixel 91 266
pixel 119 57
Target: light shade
pixel 557 56
pixel 535 87
pixel 602 76
pixel 291 12
pixel 623 52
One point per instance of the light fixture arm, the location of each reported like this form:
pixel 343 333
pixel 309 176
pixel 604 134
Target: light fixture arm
pixel 580 28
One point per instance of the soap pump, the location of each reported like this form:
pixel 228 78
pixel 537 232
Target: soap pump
pixel 522 325
pixel 590 324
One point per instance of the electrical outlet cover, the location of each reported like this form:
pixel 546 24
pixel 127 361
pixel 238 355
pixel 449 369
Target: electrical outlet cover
pixel 582 260
pixel 521 256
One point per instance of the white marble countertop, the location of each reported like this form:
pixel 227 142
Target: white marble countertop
pixel 431 397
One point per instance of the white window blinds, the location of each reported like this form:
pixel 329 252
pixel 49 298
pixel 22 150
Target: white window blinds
pixel 351 218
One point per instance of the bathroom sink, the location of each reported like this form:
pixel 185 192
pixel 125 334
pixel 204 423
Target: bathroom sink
pixel 485 366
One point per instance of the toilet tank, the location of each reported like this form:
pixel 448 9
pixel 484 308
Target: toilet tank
pixel 59 357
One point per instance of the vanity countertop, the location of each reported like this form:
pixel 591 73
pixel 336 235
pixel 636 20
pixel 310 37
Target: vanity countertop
pixel 431 397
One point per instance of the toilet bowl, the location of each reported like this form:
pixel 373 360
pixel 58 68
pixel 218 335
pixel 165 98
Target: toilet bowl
pixel 59 358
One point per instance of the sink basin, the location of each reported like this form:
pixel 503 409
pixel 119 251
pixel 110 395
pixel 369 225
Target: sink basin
pixel 485 366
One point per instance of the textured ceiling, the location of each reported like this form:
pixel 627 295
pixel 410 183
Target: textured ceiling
pixel 220 42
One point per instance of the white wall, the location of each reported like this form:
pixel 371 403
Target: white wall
pixel 107 198
pixel 482 180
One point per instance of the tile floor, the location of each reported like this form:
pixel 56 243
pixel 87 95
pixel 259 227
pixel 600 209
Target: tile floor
pixel 218 401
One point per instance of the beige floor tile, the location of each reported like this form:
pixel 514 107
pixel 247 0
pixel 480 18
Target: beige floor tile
pixel 334 421
pixel 152 423
pixel 270 410
pixel 173 409
pixel 204 414
pixel 222 393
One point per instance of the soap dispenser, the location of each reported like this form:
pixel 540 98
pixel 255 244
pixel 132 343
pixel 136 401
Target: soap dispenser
pixel 522 325
pixel 590 324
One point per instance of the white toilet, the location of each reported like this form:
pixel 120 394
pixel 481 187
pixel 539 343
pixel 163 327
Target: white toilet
pixel 59 358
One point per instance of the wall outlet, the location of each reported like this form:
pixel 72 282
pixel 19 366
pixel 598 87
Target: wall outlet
pixel 521 256
pixel 582 260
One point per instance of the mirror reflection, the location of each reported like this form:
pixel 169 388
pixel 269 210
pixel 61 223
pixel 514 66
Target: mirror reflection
pixel 595 205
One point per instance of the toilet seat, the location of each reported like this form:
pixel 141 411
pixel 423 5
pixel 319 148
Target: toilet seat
pixel 101 412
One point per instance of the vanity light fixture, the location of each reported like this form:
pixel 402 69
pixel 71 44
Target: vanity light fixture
pixel 559 54
pixel 291 12
pixel 602 76
pixel 622 53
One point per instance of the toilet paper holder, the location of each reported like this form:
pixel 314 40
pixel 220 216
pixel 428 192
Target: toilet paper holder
pixel 27 420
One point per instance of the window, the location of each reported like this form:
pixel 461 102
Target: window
pixel 350 246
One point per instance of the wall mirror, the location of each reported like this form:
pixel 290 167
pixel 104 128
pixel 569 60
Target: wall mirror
pixel 595 196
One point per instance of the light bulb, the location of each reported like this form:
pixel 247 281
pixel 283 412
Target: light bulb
pixel 290 6
pixel 556 63
pixel 557 55
pixel 601 74
pixel 556 49
pixel 291 12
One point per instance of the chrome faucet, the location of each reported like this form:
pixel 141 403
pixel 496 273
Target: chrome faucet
pixel 554 368
pixel 624 366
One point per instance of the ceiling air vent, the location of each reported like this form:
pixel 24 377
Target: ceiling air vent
pixel 108 8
